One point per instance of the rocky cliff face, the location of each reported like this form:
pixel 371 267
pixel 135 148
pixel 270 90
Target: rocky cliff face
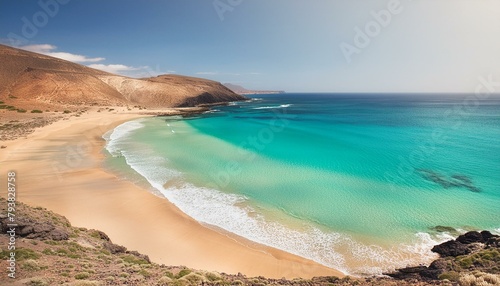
pixel 29 77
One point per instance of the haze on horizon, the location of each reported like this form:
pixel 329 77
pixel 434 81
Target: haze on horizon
pixel 292 45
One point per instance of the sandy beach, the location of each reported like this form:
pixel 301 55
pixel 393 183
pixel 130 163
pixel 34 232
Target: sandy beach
pixel 59 167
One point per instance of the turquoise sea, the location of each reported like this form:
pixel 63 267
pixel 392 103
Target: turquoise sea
pixel 357 182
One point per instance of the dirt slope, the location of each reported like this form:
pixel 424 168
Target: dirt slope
pixel 28 78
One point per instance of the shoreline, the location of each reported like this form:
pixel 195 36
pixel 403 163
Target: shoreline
pixel 60 167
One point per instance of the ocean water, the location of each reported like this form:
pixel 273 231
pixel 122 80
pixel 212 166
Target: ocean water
pixel 357 182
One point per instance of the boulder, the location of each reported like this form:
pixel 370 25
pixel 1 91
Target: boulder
pixel 493 242
pixel 487 235
pixel 436 268
pixel 114 248
pixel 408 273
pixel 32 229
pixel 451 248
pixel 470 237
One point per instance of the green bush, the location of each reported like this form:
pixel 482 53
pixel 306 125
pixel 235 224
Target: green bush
pixel 21 110
pixel 48 251
pixel 30 265
pixel 66 111
pixel 36 111
pixel 133 259
pixel 21 254
pixel 194 279
pixel 145 273
pixel 164 281
pixel 212 276
pixel 8 107
pixel 183 273
pixel 37 282
pixel 82 275
pixel 452 276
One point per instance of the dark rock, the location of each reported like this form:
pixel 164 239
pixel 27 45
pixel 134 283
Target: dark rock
pixel 408 273
pixel 413 269
pixel 43 227
pixel 103 236
pixel 436 268
pixel 487 235
pixel 451 248
pixel 431 273
pixel 34 230
pixel 439 264
pixel 470 237
pixel 493 242
pixel 24 231
pixel 114 248
pixel 59 234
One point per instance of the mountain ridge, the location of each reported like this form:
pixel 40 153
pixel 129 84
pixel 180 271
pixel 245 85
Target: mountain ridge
pixel 241 90
pixel 31 78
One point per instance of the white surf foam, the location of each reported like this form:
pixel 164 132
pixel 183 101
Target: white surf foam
pixel 112 137
pixel 230 212
pixel 253 99
pixel 273 107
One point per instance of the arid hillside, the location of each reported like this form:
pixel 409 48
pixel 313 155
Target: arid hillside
pixel 29 79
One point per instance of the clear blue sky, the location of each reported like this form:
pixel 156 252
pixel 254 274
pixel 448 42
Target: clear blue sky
pixel 292 45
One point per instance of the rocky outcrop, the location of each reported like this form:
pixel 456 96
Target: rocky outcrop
pixel 472 251
pixel 29 228
pixel 451 248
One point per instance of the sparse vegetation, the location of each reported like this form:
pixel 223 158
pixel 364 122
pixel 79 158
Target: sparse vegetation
pixel 37 282
pixel 145 273
pixel 182 273
pixel 82 275
pixel 479 279
pixel 36 111
pixel 133 259
pixel 8 107
pixel 451 276
pixel 30 265
pixel 66 111
pixel 20 254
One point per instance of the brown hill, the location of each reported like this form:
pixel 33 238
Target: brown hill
pixel 241 90
pixel 28 77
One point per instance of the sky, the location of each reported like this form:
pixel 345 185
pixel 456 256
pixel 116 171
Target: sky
pixel 292 45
